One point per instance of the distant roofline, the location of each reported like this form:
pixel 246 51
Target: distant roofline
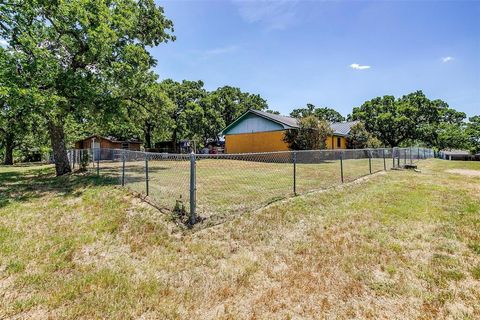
pixel 264 115
pixel 110 139
pixel 456 152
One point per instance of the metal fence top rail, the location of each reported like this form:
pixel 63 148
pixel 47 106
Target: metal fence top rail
pixel 187 155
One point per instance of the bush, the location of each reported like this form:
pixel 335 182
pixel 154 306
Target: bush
pixel 311 134
pixel 84 160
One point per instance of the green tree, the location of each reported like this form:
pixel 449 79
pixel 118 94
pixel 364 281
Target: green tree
pixel 451 136
pixel 77 50
pixel 384 118
pixel 299 113
pixel 473 133
pixel 222 106
pixel 322 113
pixel 273 112
pixel 186 115
pixel 360 138
pixel 329 114
pixel 311 134
pixel 16 120
pixel 145 111
pixel 412 118
pixel 438 120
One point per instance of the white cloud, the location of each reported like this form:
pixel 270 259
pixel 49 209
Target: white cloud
pixel 447 59
pixel 275 15
pixel 3 43
pixel 356 66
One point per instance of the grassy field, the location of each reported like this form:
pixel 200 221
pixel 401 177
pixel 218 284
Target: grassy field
pixel 226 186
pixel 396 245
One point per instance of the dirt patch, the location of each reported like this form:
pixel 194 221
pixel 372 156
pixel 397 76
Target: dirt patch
pixel 465 172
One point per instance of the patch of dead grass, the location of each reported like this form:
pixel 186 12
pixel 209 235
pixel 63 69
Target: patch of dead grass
pixel 465 172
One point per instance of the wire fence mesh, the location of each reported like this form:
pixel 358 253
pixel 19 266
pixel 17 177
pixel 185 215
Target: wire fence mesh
pixel 215 186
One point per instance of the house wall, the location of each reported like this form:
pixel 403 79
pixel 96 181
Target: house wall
pixel 255 142
pixel 105 144
pixel 268 142
pixel 331 142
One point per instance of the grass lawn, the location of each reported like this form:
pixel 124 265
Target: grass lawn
pixel 396 245
pixel 227 186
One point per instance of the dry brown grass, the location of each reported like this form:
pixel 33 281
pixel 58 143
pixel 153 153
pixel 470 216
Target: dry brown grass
pixel 395 246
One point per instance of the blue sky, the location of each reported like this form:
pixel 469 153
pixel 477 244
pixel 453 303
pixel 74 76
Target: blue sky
pixel 335 54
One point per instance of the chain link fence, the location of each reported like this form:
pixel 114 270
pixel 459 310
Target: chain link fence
pixel 212 187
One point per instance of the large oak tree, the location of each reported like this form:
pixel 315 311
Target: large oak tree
pixel 76 50
pixel 413 117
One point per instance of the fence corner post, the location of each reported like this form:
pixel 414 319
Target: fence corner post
pixel 294 173
pixel 192 188
pixel 146 173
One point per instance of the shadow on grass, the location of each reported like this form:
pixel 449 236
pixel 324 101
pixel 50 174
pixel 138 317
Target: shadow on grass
pixel 26 184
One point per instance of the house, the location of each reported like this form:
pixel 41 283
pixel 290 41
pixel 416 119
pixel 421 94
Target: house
pixel 108 142
pixel 258 131
pixel 456 155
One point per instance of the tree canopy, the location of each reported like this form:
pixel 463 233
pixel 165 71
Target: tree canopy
pixel 73 68
pixel 411 118
pixel 360 138
pixel 78 53
pixel 321 113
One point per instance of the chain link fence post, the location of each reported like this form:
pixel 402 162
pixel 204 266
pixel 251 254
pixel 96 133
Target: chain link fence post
pixel 294 173
pixel 98 161
pixel 410 151
pixel 398 158
pixel 369 152
pixel 74 158
pixel 146 173
pixel 341 165
pixel 192 188
pixel 123 168
pixel 384 160
pixel 393 157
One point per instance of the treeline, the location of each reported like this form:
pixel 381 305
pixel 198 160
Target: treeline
pixel 415 119
pixel 68 71
pixel 412 119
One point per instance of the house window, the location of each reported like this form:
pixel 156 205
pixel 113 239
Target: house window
pixel 339 142
pixel 125 146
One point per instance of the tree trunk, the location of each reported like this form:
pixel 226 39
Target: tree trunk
pixel 57 138
pixel 9 145
pixel 174 139
pixel 148 135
